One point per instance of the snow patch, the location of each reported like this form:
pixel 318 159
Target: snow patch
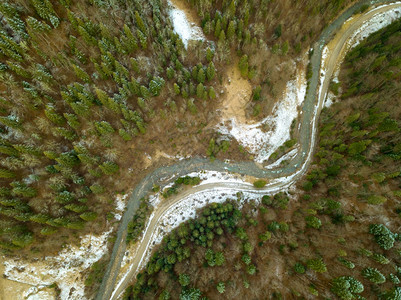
pixel 120 205
pixel 374 24
pixel 34 293
pixel 65 269
pixel 264 137
pixel 186 30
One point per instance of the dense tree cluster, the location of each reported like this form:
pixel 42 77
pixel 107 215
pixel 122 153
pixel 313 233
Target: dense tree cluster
pixel 76 90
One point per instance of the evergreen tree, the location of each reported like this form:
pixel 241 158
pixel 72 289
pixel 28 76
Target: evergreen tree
pixel 88 216
pixel 72 120
pixel 209 54
pixel 109 168
pixel 81 74
pixel 221 287
pixel 177 89
pixel 139 22
pixel 212 93
pixel 243 65
pixel 374 275
pixel 10 121
pixel 142 39
pixel 200 90
pixel 4 173
pixel 211 71
pixel 217 29
pixel 231 30
pixel 37 26
pixel 53 116
pixel 124 134
pixel 45 10
pixel 184 279
pixel 201 75
pixel 97 189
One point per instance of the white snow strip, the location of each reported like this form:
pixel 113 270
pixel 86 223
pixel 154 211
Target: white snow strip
pixel 205 176
pixel 263 138
pixel 208 177
pixel 374 24
pixel 120 205
pixel 187 31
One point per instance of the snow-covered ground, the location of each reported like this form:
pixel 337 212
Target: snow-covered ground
pixel 64 269
pixel 261 142
pixel 185 29
pixel 121 201
pixel 186 209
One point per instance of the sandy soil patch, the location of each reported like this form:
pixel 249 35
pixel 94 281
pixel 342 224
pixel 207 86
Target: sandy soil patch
pixel 238 94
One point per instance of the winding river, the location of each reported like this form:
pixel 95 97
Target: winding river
pixel 278 179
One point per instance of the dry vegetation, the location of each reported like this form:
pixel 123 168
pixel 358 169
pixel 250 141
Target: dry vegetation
pixel 85 98
pixel 337 237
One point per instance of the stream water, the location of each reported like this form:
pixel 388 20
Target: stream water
pixel 278 178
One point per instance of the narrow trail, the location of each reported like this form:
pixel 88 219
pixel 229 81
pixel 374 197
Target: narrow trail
pixel 278 178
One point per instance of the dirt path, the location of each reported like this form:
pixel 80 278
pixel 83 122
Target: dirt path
pixel 287 176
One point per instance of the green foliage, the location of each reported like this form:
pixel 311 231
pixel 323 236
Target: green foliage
pixel 346 287
pixel 23 239
pixel 221 287
pixel 393 294
pixel 109 168
pixel 381 259
pixel 279 200
pixel 190 294
pixel 136 226
pixel 358 147
pixel 316 265
pixel 299 268
pixel 313 222
pixel 88 216
pixel 97 189
pixel 259 183
pixel 4 173
pixel 45 10
pixel 165 295
pixel 96 272
pixel 251 269
pixel 374 275
pixel 243 66
pixel 383 236
pixel 184 279
pixel 346 263
pixel 376 199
